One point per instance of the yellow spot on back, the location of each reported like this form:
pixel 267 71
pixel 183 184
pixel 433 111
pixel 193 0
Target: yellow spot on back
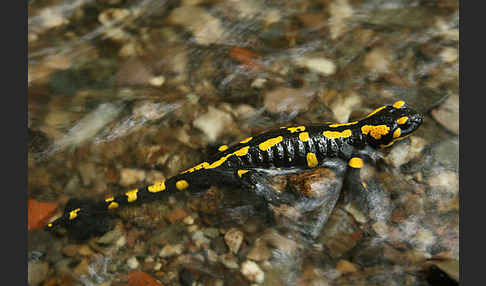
pixel 74 213
pixel 399 104
pixel 247 140
pixel 375 131
pixel 157 187
pixel 343 124
pixel 402 120
pixel 304 136
pixel 336 134
pixel 241 172
pixel 223 148
pixel 203 165
pixel 49 225
pixel 311 160
pixel 270 143
pixel 376 111
pixel 182 185
pixel 356 163
pixel 132 195
pixel 296 129
pixel 110 199
pixel 242 151
pixel 113 205
pixel 397 133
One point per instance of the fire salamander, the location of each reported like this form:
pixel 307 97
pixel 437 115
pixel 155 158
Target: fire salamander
pixel 287 148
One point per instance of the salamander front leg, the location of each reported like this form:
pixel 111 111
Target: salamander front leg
pixel 260 183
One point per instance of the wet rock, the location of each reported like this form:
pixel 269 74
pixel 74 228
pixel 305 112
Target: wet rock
pixel 447 114
pixel 213 123
pixel 252 271
pixel 234 238
pixel 206 28
pixel 340 234
pixel 283 99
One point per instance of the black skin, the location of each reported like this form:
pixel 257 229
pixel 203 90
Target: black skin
pixel 289 155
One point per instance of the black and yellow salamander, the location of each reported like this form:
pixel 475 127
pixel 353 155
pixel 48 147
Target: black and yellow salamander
pixel 285 149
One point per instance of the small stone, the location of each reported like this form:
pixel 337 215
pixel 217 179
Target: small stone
pixel 110 237
pixel 206 28
pixel 445 181
pixel 200 240
pixel 258 82
pixel 229 260
pixel 37 272
pixel 212 256
pixel 176 215
pixel 70 250
pixel 320 65
pixel 133 263
pixel 260 251
pixel 252 271
pixel 85 250
pixel 157 266
pixel 378 60
pixel 109 15
pixel 171 250
pixel 449 54
pixel 157 81
pixel 234 238
pixel 343 105
pixel 188 220
pixel 213 123
pixel 139 278
pixel 340 11
pixel 283 99
pixel 121 242
pixel 381 229
pixel 345 266
pixel 130 177
pixel 211 232
pixel 447 114
pixel 357 215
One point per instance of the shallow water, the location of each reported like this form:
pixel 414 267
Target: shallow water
pixel 126 93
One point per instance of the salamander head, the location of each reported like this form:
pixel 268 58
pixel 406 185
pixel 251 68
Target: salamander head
pixel 82 219
pixel 390 123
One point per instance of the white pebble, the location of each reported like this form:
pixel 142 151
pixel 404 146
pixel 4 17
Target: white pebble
pixel 252 271
pixel 133 263
pixel 319 65
pixel 171 250
pixel 234 238
pixel 213 123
